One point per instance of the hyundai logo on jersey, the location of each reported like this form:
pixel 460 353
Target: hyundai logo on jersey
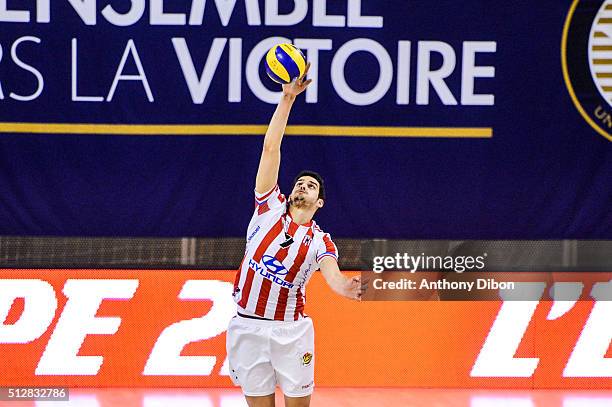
pixel 274 265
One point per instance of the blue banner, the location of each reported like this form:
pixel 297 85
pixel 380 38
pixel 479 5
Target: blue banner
pixel 434 120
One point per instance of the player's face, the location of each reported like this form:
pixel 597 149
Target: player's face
pixel 306 193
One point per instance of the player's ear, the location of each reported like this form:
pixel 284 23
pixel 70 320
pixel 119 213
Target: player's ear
pixel 320 203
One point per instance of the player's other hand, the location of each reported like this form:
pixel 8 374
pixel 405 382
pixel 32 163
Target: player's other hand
pixel 355 288
pixel 299 85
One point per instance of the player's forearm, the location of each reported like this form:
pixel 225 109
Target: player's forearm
pixel 338 284
pixel 334 277
pixel 278 123
pixel 269 164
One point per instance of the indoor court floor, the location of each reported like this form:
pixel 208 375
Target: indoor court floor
pixel 332 397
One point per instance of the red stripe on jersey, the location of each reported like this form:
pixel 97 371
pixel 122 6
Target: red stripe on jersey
pixel 329 245
pixel 281 304
pixel 299 259
pixel 263 246
pixel 264 291
pixel 299 305
pixel 267 195
pixel 263 208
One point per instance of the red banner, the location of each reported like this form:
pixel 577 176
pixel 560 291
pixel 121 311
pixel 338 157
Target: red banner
pixel 167 328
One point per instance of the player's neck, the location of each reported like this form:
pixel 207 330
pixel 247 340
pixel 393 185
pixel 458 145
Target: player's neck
pixel 301 216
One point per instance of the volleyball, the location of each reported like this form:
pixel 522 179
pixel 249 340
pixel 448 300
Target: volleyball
pixel 284 63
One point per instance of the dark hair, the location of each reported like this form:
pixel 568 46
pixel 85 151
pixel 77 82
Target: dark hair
pixel 314 175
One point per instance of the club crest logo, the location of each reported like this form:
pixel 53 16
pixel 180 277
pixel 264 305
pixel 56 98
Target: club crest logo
pixel 586 57
pixel 306 358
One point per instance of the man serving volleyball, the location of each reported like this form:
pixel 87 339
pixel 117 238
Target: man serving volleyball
pixel 271 340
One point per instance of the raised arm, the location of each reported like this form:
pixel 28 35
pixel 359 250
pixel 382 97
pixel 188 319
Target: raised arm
pixel 269 163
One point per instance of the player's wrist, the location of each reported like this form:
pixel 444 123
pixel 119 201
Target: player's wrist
pixel 346 287
pixel 289 97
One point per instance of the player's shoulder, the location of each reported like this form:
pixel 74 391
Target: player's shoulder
pixel 262 197
pixel 319 232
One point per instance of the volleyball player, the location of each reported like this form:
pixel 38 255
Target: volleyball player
pixel 271 340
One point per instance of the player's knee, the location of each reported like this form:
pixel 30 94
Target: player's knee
pixel 297 401
pixel 260 401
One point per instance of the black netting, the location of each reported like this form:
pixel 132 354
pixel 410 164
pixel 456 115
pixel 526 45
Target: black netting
pixel 227 253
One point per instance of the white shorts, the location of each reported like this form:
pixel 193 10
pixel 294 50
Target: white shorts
pixel 263 353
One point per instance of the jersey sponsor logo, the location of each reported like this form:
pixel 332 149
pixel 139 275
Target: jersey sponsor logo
pixel 307 240
pixel 274 265
pixel 588 71
pixel 271 270
pixel 300 282
pixel 253 234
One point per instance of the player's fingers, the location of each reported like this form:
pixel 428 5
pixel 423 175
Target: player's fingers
pixel 308 82
pixel 306 70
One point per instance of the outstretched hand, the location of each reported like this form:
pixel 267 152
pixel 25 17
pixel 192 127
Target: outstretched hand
pixel 298 85
pixel 355 288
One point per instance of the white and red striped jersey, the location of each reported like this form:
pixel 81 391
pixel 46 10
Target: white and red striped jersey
pixel 279 260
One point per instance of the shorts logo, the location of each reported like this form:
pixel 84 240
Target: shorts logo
pixel 306 358
pixel 589 79
pixel 274 265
